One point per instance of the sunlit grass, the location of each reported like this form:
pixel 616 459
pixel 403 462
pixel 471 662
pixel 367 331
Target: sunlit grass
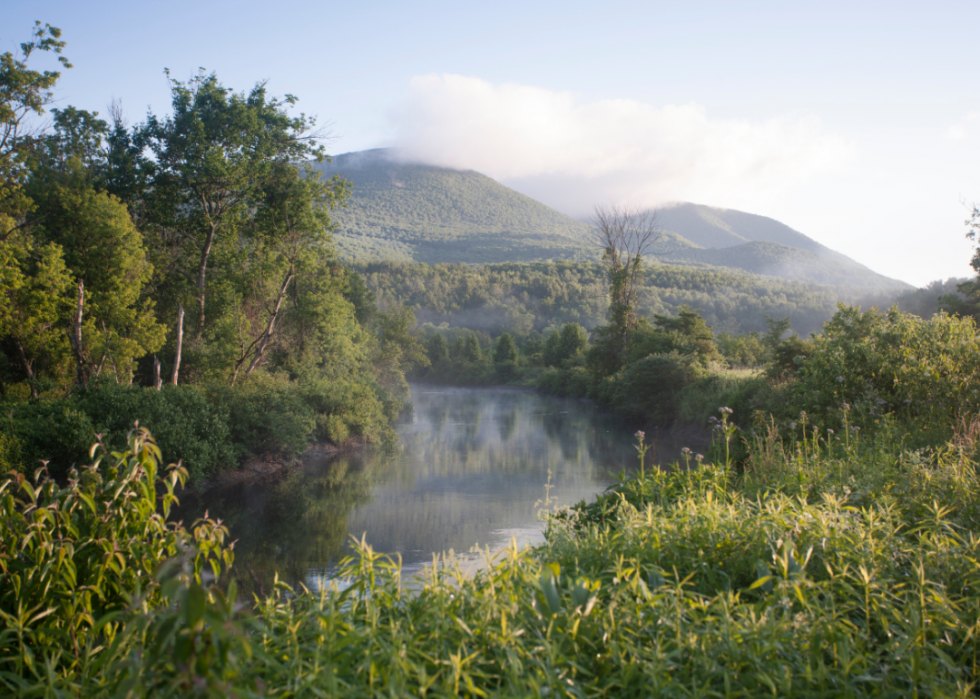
pixel 825 565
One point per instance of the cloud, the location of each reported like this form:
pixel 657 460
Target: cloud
pixel 958 132
pixel 572 153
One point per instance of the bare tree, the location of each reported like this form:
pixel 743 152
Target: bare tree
pixel 626 235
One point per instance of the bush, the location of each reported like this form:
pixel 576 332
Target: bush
pixel 731 388
pixel 923 373
pixel 650 388
pixel 52 431
pixel 266 414
pixel 188 427
pixel 75 559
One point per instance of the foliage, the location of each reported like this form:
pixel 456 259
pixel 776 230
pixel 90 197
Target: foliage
pixel 924 374
pixel 505 351
pixel 966 300
pixel 107 232
pixel 540 297
pixel 648 389
pixel 742 350
pixel 24 93
pixel 830 567
pixel 54 430
pixel 75 560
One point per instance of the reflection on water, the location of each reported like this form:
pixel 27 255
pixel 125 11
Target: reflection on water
pixel 473 469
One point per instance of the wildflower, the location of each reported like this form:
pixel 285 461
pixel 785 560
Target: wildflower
pixel 725 410
pixel 840 379
pixel 845 406
pixel 829 431
pixel 640 434
pixel 699 457
pixel 685 451
pixel 792 425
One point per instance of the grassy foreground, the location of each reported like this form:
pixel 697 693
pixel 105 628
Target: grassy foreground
pixel 830 565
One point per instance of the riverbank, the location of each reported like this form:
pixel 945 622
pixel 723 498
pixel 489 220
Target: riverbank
pixel 211 431
pixel 270 465
pixel 826 567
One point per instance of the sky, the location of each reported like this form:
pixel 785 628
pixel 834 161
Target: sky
pixel 856 123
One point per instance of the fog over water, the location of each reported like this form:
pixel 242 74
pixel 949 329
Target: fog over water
pixel 474 468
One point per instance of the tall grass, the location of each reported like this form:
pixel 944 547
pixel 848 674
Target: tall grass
pixel 826 565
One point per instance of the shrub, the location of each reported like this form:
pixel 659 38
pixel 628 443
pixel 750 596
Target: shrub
pixel 52 431
pixel 649 388
pixel 267 414
pixel 188 427
pixel 924 373
pixel 75 559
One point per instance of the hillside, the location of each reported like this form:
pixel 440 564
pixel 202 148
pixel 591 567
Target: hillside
pixel 422 213
pixel 411 212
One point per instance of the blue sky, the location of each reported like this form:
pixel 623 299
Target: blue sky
pixel 856 123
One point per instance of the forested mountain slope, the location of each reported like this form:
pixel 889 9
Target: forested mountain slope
pixel 411 212
pixel 422 213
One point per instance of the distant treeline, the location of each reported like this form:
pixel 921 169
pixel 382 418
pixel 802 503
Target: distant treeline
pixel 528 298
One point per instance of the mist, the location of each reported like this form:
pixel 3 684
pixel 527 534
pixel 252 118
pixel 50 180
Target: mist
pixel 571 154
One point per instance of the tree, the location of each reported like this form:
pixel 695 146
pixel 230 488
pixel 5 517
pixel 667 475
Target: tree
pixel 552 349
pixel 573 341
pixel 626 234
pixel 505 351
pixel 775 329
pixel 437 349
pixel 564 345
pixel 469 348
pixel 212 161
pixel 23 93
pixel 966 302
pixel 33 278
pixel 114 324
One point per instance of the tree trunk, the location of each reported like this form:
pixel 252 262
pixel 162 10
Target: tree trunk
pixel 180 343
pixel 81 371
pixel 201 275
pixel 157 381
pixel 262 341
pixel 27 367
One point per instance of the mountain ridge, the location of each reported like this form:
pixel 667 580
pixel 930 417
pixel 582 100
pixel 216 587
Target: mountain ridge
pixel 415 212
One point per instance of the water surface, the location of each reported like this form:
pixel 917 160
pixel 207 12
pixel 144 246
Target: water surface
pixel 474 468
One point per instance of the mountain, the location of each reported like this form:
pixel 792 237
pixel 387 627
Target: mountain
pixel 423 213
pixel 412 212
pixel 761 245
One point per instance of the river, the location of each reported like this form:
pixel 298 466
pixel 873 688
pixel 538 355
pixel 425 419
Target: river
pixel 474 468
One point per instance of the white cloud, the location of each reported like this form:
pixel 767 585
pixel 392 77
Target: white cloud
pixel 571 154
pixel 958 132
